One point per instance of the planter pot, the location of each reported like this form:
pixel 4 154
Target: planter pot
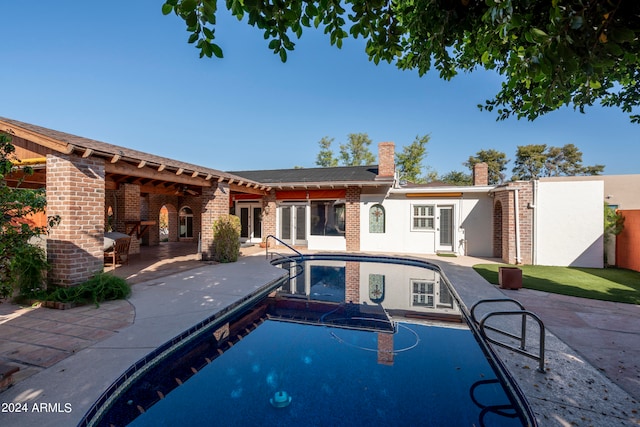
pixel 510 277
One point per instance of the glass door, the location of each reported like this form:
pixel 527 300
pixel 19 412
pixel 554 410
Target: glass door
pixel 293 224
pixel 250 223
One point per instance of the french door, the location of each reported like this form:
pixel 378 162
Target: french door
pixel 250 223
pixel 293 224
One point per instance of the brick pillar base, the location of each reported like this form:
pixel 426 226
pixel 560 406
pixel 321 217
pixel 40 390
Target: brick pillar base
pixel 352 219
pixel 75 192
pixel 215 203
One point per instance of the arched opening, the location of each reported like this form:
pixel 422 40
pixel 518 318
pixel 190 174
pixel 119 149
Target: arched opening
pixel 497 229
pixel 186 223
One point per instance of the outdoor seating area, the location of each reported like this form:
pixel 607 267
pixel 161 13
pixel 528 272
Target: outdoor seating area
pixel 116 248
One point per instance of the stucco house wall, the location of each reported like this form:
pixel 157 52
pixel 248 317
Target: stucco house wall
pixel 471 234
pixel 568 223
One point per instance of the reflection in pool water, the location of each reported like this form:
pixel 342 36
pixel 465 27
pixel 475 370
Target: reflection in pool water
pixel 344 343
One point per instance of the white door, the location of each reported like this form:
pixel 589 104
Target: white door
pixel 293 224
pixel 444 229
pixel 250 222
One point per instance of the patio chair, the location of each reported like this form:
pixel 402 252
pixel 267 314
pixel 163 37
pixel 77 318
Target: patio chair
pixel 119 253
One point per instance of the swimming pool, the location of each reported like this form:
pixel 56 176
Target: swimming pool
pixel 346 341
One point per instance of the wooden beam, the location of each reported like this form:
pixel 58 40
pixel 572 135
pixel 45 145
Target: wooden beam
pixel 194 174
pixel 142 164
pixel 161 168
pixel 124 168
pixel 179 171
pixel 115 158
pixel 209 176
pixel 241 189
pixel 87 152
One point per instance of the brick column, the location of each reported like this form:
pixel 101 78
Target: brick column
pixel 131 196
pixel 385 349
pixel 269 215
pixel 155 203
pixel 352 282
pixel 75 192
pixel 352 219
pixel 505 211
pixel 215 203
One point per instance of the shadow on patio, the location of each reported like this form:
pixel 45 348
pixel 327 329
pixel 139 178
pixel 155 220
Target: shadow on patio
pixel 165 259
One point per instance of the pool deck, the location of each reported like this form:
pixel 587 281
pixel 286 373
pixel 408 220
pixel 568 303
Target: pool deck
pixel 69 357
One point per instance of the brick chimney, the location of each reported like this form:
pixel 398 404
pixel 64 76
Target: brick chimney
pixel 386 160
pixel 481 174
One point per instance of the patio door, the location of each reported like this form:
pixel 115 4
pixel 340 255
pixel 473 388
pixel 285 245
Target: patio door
pixel 445 229
pixel 250 223
pixel 293 224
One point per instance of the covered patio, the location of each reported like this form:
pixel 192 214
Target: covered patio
pixel 95 187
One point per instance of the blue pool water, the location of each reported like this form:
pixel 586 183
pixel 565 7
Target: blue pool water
pixel 344 343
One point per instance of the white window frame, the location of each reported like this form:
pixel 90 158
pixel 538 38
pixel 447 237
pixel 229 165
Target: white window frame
pixel 420 298
pixel 430 214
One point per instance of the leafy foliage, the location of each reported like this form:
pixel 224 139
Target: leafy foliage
pixel 226 239
pixel 495 160
pixel 325 157
pixel 538 160
pixel 613 222
pixel 456 178
pixel 21 265
pixel 99 288
pixel 550 53
pixel 355 152
pixel 409 161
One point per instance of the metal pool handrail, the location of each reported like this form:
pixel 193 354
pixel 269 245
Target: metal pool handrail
pixel 296 262
pixel 523 336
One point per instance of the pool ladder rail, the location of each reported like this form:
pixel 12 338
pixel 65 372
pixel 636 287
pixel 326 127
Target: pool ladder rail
pixel 296 261
pixel 483 327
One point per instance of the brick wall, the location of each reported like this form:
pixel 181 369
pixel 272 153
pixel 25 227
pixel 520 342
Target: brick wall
pixel 352 218
pixel 75 192
pixel 131 197
pixel 504 227
pixel 269 214
pixel 215 203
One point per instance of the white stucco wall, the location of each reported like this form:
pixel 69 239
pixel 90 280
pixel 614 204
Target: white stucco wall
pixel 568 223
pixel 472 212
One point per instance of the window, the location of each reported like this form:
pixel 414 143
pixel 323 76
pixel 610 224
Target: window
pixel 422 293
pixel 376 219
pixel 327 218
pixel 186 222
pixel 422 217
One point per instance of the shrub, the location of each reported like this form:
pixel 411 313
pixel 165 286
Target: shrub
pixel 226 239
pixel 29 265
pixel 101 287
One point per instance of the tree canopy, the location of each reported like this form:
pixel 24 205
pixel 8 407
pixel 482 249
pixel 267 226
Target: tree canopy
pixel 409 161
pixel 539 160
pixel 495 160
pixel 550 53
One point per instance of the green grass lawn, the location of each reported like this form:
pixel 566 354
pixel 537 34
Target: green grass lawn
pixel 607 284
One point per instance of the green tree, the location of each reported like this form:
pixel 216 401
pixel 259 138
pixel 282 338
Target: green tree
pixel 549 53
pixel 22 265
pixel 409 161
pixel 325 157
pixel 530 161
pixel 456 178
pixel 356 151
pixel 539 160
pixel 567 161
pixel 495 160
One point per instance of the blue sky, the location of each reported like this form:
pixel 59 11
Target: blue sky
pixel 122 73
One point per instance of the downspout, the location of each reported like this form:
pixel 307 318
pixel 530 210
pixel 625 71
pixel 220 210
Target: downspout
pixel 517 213
pixel 534 250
